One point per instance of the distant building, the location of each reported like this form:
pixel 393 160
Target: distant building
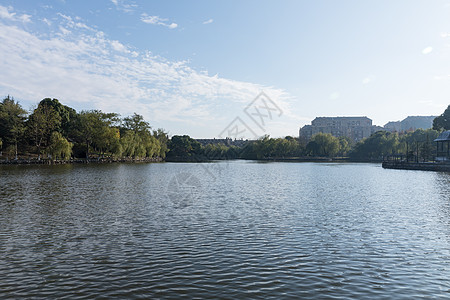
pixel 356 128
pixel 393 126
pixel 410 123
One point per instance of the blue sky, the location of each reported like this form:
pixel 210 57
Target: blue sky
pixel 192 67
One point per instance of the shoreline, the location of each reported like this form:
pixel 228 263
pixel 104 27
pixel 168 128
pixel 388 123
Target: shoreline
pixel 426 166
pixel 278 159
pixel 77 161
pixel 35 161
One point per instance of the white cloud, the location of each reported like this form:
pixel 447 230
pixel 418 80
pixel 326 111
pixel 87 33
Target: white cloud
pixel 151 19
pixel 156 20
pixel 427 50
pixel 25 18
pixel 445 34
pixel 64 31
pixel 208 21
pixel 173 25
pixel 441 77
pixel 123 6
pixel 116 45
pixel 47 21
pixel 6 13
pixel 84 69
pixel 72 24
pixel 368 80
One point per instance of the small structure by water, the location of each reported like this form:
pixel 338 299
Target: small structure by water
pixel 441 162
pixel 443 146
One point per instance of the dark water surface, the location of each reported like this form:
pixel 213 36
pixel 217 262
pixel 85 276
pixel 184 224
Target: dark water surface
pixel 223 230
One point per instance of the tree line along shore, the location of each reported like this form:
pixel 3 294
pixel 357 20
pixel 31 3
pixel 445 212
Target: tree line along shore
pixel 56 133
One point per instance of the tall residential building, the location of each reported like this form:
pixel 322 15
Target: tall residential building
pixel 356 128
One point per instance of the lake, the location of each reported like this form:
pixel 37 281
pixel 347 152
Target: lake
pixel 228 230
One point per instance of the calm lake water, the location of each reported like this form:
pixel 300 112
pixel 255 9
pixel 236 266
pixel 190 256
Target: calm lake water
pixel 224 230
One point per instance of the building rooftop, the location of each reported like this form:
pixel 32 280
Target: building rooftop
pixel 445 136
pixel 343 117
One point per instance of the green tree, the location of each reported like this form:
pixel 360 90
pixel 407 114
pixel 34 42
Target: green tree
pixel 98 129
pixel 139 142
pixel 183 146
pixel 163 139
pixel 378 145
pixel 344 145
pixel 216 151
pixel 136 123
pixel 107 139
pixel 233 152
pixel 267 147
pixel 248 151
pixel 442 122
pixel 60 147
pixel 264 147
pixel 12 122
pixel 419 142
pixel 41 124
pixel 323 144
pixel 282 147
pixel 286 147
pixel 67 115
pixel 88 122
pixel 152 145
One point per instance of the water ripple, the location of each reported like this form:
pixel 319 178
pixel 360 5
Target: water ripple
pixel 263 231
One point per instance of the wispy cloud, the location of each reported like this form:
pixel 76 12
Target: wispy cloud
pixel 74 22
pixel 208 21
pixel 156 20
pixel 123 6
pixel 442 77
pixel 368 80
pixel 427 50
pixel 85 69
pixel 64 30
pixel 6 13
pixel 47 21
pixel 118 46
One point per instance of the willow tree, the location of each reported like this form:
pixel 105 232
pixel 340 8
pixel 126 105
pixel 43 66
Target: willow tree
pixel 378 145
pixel 94 128
pixel 108 140
pixel 163 139
pixel 137 140
pixel 60 147
pixel 323 144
